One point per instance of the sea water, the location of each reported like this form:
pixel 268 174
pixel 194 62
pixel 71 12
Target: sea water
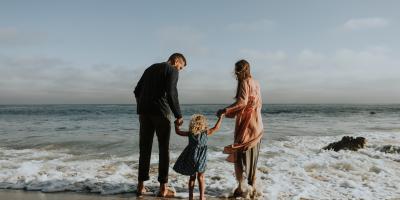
pixel 94 148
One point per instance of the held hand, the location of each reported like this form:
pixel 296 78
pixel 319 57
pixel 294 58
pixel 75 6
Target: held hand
pixel 177 128
pixel 220 112
pixel 178 122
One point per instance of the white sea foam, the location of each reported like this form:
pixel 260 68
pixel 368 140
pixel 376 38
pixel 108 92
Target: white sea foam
pixel 291 169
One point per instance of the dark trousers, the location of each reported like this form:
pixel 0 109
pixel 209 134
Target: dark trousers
pixel 162 126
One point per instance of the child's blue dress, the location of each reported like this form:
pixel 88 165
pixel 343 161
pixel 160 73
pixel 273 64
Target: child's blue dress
pixel 194 157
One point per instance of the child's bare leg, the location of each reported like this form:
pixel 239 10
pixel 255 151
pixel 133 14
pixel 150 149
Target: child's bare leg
pixel 200 179
pixel 192 181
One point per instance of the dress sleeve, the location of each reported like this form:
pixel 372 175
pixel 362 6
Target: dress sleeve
pixel 241 100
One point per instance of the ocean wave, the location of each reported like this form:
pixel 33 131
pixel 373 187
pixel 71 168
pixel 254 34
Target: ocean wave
pixel 294 168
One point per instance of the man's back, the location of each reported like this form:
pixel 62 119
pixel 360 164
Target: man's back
pixel 156 90
pixel 156 94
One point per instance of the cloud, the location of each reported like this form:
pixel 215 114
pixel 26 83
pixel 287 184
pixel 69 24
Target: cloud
pixel 14 37
pixel 310 58
pixel 365 23
pixel 269 56
pixel 341 76
pixel 183 39
pixel 54 80
pixel 254 26
pixel 37 79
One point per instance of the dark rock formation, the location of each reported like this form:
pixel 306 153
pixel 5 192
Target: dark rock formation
pixel 347 143
pixel 390 149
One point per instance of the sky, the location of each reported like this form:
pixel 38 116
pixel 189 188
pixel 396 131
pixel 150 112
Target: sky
pixel 93 52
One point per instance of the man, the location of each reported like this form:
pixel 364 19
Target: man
pixel 156 94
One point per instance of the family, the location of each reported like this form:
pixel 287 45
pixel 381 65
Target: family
pixel 156 95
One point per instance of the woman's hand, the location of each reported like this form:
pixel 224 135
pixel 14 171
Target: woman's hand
pixel 221 112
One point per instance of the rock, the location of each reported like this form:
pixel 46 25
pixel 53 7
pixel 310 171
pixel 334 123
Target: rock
pixel 215 178
pixel 390 149
pixel 264 170
pixel 347 143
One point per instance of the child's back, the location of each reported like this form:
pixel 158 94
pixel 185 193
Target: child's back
pixel 193 160
pixel 194 157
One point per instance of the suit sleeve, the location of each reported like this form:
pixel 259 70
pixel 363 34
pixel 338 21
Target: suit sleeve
pixel 138 88
pixel 172 93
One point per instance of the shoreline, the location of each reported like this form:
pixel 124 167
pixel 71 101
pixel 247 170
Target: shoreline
pixel 8 194
pixel 14 194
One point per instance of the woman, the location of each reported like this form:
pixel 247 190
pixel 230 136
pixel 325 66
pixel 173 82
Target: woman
pixel 248 127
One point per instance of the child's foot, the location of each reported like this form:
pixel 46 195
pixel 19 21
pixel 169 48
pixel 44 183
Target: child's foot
pixel 202 197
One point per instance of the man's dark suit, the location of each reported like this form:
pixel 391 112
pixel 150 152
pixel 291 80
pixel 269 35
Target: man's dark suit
pixel 156 94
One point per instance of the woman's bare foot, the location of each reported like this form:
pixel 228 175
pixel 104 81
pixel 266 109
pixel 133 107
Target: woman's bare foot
pixel 255 193
pixel 238 192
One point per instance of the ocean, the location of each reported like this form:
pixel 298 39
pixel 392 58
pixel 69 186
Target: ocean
pixel 94 148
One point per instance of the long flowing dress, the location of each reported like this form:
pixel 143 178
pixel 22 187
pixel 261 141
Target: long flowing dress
pixel 248 126
pixel 194 157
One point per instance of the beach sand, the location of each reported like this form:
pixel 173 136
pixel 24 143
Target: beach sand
pixel 37 195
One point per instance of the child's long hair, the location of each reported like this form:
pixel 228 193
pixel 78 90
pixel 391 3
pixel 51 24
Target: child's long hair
pixel 198 124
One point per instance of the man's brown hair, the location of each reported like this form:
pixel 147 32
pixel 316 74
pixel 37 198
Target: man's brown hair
pixel 175 56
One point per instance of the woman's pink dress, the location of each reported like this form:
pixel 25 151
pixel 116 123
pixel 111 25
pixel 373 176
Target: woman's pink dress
pixel 247 110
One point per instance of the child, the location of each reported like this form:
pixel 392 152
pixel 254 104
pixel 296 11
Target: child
pixel 193 159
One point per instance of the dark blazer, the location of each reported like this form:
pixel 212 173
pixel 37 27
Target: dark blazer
pixel 156 91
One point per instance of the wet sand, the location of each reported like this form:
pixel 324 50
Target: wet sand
pixel 37 195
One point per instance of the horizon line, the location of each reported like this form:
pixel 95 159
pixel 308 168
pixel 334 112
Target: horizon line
pixel 22 104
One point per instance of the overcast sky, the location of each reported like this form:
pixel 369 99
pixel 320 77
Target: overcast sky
pixel 300 51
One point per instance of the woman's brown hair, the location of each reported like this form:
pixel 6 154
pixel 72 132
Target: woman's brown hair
pixel 242 72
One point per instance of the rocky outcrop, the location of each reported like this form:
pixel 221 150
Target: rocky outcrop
pixel 347 143
pixel 389 149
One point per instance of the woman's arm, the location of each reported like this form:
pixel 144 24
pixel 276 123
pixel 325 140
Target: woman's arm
pixel 179 132
pixel 240 102
pixel 216 127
